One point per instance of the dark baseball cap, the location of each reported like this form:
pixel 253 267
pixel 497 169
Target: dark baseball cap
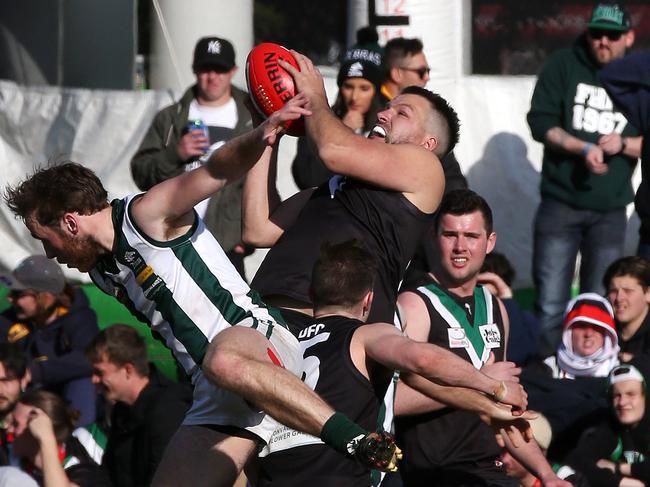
pixel 609 16
pixel 36 272
pixel 214 51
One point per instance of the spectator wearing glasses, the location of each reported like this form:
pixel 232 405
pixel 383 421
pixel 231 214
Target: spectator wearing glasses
pixel 590 151
pixel 616 452
pixel 405 65
pixel 52 322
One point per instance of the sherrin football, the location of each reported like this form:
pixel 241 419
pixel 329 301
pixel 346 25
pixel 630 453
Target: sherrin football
pixel 270 85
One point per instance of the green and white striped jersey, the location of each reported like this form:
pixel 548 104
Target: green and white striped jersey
pixel 186 289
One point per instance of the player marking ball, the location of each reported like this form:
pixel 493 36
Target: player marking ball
pixel 269 85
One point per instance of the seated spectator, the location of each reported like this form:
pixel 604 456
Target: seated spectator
pixel 589 346
pixel 357 105
pixel 616 452
pixel 53 323
pixel 543 435
pixel 42 427
pixel 147 410
pixel 627 281
pixel 568 388
pixel 497 274
pixel 14 377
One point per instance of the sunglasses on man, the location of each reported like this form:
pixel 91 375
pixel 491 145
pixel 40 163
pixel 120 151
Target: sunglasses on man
pixel 612 35
pixel 421 72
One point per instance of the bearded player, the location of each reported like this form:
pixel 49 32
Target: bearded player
pixel 154 254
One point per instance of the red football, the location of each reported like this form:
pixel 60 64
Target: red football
pixel 270 85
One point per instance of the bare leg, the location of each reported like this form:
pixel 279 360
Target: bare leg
pixel 200 457
pixel 238 360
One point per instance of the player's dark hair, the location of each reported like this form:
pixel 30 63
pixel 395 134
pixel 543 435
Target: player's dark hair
pixel 343 274
pixel 54 190
pixel 500 265
pixel 399 48
pixel 122 345
pixel 441 107
pixel 633 265
pixel 463 202
pixel 13 360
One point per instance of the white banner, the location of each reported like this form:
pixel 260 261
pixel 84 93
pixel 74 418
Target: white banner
pixel 102 130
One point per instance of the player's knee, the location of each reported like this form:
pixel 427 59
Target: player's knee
pixel 220 366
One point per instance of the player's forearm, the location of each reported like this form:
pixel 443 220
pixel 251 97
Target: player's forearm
pixel 408 402
pixel 446 368
pixel 233 159
pixel 260 199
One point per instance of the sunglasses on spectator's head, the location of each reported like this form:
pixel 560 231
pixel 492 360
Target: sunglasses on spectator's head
pixel 612 35
pixel 422 72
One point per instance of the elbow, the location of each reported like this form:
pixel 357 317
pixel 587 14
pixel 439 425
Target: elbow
pixel 329 154
pixel 250 237
pixel 256 237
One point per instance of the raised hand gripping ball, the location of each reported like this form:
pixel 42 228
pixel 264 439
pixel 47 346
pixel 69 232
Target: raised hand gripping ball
pixel 271 86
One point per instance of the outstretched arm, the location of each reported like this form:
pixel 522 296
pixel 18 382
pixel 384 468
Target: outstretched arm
pixel 167 206
pixel 384 344
pixel 405 167
pixel 417 395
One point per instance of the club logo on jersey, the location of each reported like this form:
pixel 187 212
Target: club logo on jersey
pixel 129 256
pixel 491 335
pixel 457 338
pixel 310 331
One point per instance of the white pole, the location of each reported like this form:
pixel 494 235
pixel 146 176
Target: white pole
pixel 184 23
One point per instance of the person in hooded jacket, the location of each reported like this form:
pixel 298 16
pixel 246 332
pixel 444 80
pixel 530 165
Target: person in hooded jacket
pixel 589 346
pixel 616 452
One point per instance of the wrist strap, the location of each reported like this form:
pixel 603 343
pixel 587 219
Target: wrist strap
pixel 585 150
pixel 501 392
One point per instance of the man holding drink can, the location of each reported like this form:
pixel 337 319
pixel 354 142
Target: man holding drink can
pixel 182 136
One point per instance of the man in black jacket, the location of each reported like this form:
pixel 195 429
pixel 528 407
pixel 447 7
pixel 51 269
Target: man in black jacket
pixel 148 408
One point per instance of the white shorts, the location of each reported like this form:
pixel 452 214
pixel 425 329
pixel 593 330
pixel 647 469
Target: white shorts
pixel 215 406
